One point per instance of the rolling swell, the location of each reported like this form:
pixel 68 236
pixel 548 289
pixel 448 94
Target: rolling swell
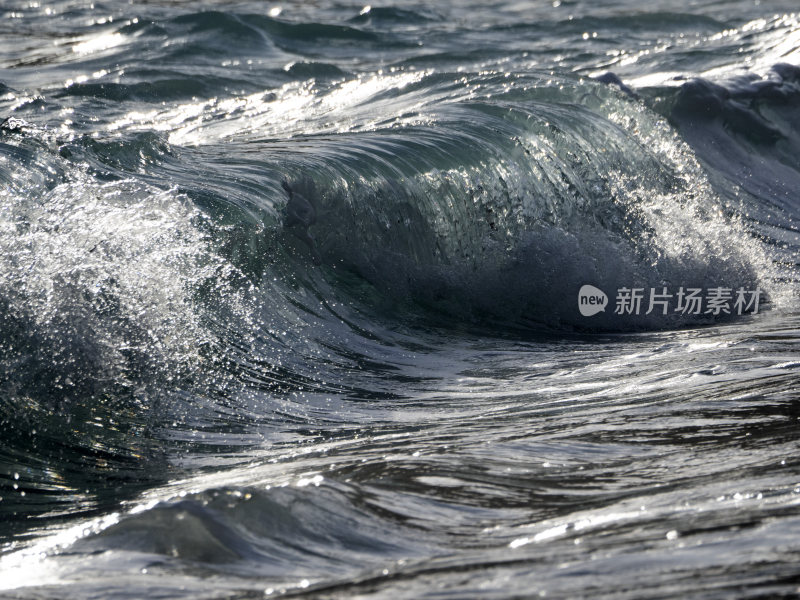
pixel 495 203
pixel 487 198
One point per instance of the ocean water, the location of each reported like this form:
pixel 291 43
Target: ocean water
pixel 455 300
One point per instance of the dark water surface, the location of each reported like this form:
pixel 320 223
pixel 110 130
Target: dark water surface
pixel 387 384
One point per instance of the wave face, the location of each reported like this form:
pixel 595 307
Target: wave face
pixel 336 300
